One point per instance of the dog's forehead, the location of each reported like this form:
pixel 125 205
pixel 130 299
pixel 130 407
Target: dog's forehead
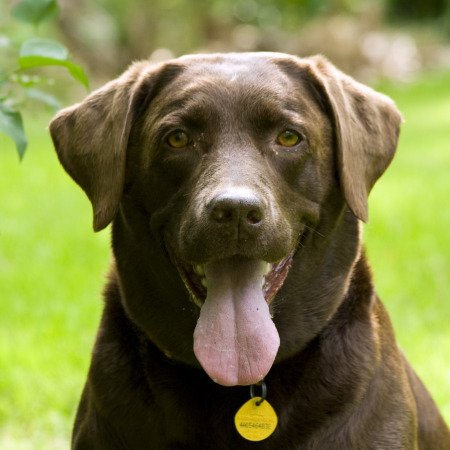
pixel 231 66
pixel 230 80
pixel 231 72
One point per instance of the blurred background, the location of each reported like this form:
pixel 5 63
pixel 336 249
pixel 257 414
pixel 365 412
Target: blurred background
pixel 52 266
pixel 393 39
pixel 370 39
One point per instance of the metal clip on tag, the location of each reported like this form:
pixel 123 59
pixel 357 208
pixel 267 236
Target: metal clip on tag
pixel 263 395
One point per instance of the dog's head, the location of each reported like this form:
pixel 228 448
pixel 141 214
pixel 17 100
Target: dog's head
pixel 232 161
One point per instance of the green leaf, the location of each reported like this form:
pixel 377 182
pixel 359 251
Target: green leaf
pixel 43 48
pixel 45 52
pixel 11 124
pixel 77 73
pixel 35 11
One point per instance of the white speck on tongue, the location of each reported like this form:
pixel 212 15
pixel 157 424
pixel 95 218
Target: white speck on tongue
pixel 235 339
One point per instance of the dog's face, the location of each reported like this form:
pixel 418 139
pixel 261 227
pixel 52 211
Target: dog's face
pixel 238 166
pixel 238 169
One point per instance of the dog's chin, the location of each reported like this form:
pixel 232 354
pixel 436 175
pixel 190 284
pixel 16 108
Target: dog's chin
pixel 194 278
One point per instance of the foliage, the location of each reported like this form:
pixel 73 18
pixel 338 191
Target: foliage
pixel 435 12
pixel 418 9
pixel 17 86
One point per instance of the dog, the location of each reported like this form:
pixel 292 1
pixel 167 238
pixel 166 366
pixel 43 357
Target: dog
pixel 236 185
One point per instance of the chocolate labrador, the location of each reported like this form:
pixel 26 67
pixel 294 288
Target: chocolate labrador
pixel 236 185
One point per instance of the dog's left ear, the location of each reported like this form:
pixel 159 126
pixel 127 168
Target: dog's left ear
pixel 367 126
pixel 91 140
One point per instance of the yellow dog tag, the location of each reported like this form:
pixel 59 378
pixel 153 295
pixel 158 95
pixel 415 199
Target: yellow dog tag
pixel 256 420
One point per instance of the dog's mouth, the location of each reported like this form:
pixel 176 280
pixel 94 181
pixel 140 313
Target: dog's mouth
pixel 195 280
pixel 235 339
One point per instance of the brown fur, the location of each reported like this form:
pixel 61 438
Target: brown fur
pixel 339 380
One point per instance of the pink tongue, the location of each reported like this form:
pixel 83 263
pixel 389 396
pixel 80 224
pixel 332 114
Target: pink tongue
pixel 235 339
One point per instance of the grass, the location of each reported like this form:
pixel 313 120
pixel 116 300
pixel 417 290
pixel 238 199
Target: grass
pixel 52 268
pixel 408 240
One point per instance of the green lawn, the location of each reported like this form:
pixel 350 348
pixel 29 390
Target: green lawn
pixel 51 272
pixel 408 238
pixel 52 268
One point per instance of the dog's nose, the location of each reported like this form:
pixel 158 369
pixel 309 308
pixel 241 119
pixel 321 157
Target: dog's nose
pixel 237 206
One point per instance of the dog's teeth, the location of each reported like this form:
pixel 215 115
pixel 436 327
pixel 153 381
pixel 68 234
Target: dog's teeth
pixel 204 284
pixel 199 270
pixel 267 268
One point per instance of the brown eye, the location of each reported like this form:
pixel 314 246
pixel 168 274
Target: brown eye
pixel 288 138
pixel 178 139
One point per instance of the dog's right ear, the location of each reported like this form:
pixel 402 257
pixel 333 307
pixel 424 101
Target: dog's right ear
pixel 91 138
pixel 367 127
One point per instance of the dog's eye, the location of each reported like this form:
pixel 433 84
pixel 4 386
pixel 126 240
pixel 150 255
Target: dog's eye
pixel 288 138
pixel 178 139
